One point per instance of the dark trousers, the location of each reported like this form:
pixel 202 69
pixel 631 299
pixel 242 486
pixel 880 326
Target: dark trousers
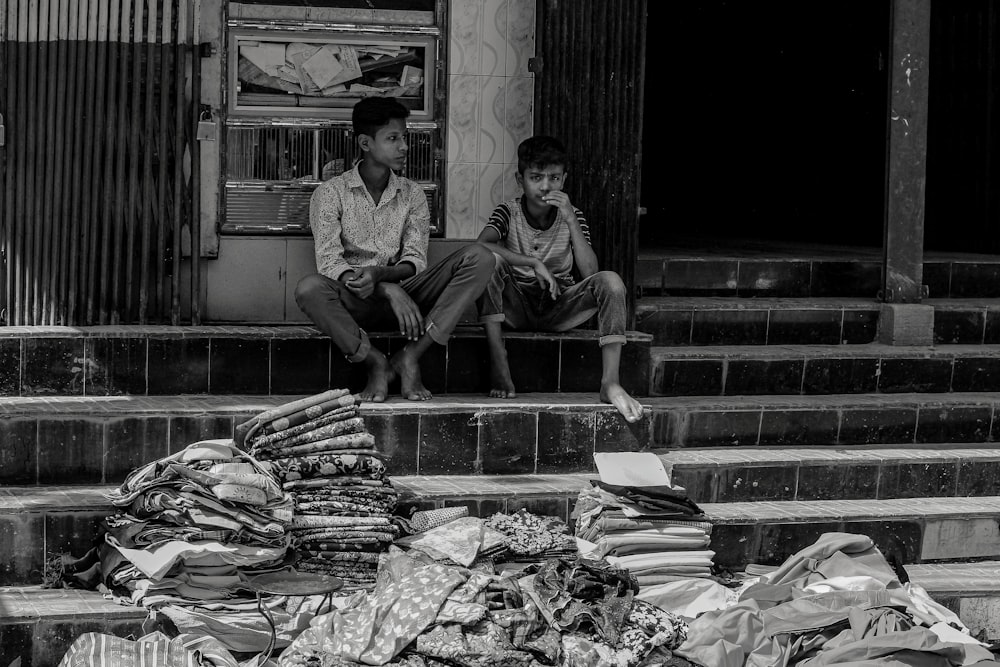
pixel 442 292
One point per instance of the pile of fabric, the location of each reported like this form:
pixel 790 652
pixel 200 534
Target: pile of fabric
pixel 836 602
pixel 564 611
pixel 321 452
pixel 656 532
pixel 189 528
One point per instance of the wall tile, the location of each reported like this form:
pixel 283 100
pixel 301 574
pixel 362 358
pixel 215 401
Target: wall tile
pixel 70 451
pixel 133 442
pixel 729 327
pixel 300 366
pixel 115 366
pixel 518 113
pixel 493 94
pixel 184 430
pixel 754 376
pixel 397 437
pixel 53 366
pixel 756 483
pixel 868 426
pixel 449 443
pixel 508 442
pixel 613 434
pixel 565 442
pixel 239 366
pixel 468 366
pixel 178 366
pixel 976 374
pixel 769 278
pixel 954 424
pixel 463 118
pixel 18 451
pixel 493 47
pixel 669 327
pixel 711 428
pixel 959 326
pixel 22 539
pixel 918 480
pixel 860 326
pixel 465 17
pixel 778 541
pixel 689 377
pixel 463 200
pixel 72 533
pixel 491 180
pixel 915 375
pixel 837 482
pixel 840 376
pixel 799 427
pixel 806 326
pixel 520 36
pixel 10 366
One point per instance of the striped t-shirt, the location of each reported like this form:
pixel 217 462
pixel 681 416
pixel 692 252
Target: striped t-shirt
pixel 553 245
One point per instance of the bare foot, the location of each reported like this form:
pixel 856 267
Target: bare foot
pixel 380 374
pixel 614 394
pixel 501 386
pixel 404 364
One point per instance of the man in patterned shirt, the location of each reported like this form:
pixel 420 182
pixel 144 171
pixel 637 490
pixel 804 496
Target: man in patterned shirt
pixel 371 230
pixel 542 240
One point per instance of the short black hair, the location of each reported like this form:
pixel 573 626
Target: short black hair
pixel 540 151
pixel 372 113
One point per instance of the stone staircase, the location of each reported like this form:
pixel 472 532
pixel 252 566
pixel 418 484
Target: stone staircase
pixel 767 396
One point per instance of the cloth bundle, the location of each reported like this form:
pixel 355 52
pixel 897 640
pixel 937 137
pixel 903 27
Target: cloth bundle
pixel 321 452
pixel 656 532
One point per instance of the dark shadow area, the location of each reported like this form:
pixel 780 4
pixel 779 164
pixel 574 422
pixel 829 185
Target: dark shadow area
pixel 765 120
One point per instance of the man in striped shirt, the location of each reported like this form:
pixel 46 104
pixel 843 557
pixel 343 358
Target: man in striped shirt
pixel 547 278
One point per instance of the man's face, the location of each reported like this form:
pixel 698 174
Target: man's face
pixel 538 181
pixel 388 146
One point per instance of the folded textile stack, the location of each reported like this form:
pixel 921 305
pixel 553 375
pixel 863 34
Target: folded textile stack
pixel 319 449
pixel 656 532
pixel 190 523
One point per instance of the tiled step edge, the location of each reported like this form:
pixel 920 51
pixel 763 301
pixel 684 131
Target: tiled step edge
pixel 818 369
pixel 64 440
pixel 749 474
pixel 913 529
pixel 139 361
pixel 38 625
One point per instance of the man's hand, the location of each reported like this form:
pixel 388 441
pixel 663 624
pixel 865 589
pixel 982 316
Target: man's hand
pixel 364 281
pixel 545 279
pixel 411 322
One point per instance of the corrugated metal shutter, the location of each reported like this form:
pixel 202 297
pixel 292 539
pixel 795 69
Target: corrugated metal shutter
pixel 97 108
pixel 590 72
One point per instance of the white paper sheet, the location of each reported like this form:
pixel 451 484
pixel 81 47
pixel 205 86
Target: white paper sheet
pixel 631 469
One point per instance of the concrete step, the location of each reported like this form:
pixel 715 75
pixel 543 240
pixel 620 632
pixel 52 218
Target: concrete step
pixel 38 625
pixel 705 320
pixel 279 360
pixel 38 522
pixel 749 474
pixel 801 273
pixel 90 440
pixel 732 370
pixel 714 320
pixel 914 530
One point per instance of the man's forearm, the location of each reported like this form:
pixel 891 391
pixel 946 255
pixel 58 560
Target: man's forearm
pixel 513 258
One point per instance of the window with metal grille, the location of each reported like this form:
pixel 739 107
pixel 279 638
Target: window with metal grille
pixel 272 170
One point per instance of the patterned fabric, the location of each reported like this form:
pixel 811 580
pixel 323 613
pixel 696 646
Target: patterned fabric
pixel 335 415
pixel 248 429
pixel 427 519
pixel 552 245
pixel 327 465
pixel 353 425
pixel 356 443
pixel 350 230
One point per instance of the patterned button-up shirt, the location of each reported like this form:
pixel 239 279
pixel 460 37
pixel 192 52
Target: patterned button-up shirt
pixel 351 231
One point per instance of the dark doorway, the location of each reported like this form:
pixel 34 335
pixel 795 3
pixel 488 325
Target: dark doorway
pixel 765 120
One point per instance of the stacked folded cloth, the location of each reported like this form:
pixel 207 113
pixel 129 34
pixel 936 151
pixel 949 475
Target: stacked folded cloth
pixel 319 449
pixel 189 528
pixel 656 532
